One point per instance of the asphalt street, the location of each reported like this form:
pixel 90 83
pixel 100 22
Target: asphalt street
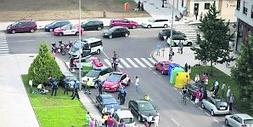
pixel 136 47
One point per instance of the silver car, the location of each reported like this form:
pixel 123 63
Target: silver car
pixel 239 120
pixel 215 106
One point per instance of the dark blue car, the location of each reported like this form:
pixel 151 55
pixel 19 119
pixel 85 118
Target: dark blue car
pixel 108 101
pixel 59 23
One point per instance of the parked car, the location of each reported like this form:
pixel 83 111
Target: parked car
pixel 178 38
pixel 141 109
pixel 239 120
pixel 27 25
pixel 116 31
pixel 215 106
pixel 162 66
pixel 126 116
pixel 58 23
pixel 165 34
pixel 156 23
pixel 115 79
pixel 92 25
pixel 95 74
pixel 191 88
pixel 108 101
pixel 68 29
pixel 96 62
pixel 124 22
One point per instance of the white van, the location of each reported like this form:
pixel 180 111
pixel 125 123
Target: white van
pixel 89 46
pixel 125 115
pixel 178 38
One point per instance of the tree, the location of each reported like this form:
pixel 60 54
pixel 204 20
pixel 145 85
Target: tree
pixel 43 66
pixel 214 47
pixel 243 74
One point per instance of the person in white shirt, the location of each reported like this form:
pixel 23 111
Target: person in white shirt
pixel 223 89
pixel 157 119
pixel 137 84
pixel 112 110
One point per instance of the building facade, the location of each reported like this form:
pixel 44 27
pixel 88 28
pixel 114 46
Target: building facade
pixel 244 14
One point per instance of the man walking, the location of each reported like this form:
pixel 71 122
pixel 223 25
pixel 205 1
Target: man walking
pixel 54 87
pixel 75 91
pixel 137 80
pixel 223 89
pixel 231 101
pixel 100 86
pixel 228 93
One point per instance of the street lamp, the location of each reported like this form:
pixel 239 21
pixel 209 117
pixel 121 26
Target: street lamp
pixel 80 39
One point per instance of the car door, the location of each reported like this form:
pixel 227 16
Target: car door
pixel 209 104
pixel 155 23
pixel 99 103
pixel 20 27
pixel 88 25
pixel 116 33
pixel 134 108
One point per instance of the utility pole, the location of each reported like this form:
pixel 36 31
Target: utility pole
pixel 80 39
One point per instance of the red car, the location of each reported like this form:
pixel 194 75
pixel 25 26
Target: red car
pixel 27 25
pixel 96 62
pixel 68 29
pixel 114 80
pixel 124 22
pixel 162 66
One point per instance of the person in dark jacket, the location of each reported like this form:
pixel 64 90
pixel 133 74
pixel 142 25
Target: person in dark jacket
pixel 75 91
pixel 100 86
pixel 54 85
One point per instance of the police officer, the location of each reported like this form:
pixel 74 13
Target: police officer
pixel 75 91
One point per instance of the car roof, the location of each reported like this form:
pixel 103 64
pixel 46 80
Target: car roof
pixel 124 114
pixel 118 27
pixel 91 40
pixel 106 96
pixel 244 116
pixel 118 73
pixel 26 20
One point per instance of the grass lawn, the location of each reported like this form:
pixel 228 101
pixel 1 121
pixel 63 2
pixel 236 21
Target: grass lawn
pixel 56 111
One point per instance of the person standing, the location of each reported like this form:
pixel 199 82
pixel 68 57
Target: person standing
pixel 110 122
pixel 100 86
pixel 171 54
pixel 88 119
pixel 223 89
pixel 88 84
pixel 186 67
pixel 123 97
pixel 139 5
pixel 111 110
pixel 54 87
pixel 121 123
pixel 228 93
pixel 137 84
pixel 92 123
pixel 142 6
pixel 75 93
pixel 231 102
pixel 157 119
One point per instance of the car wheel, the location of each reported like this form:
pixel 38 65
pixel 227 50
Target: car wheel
pixel 189 44
pixel 98 51
pixel 77 33
pixel 202 106
pixel 51 30
pixel 165 25
pixel 32 30
pixel 99 28
pixel 134 27
pixel 212 113
pixel 126 34
pixel 139 118
pixel 110 36
pixel 226 122
pixel 60 34
pixel 13 31
pixel 149 26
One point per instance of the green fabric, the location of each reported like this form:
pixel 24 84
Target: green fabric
pixel 174 73
pixel 86 68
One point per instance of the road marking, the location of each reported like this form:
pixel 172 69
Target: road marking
pixel 124 63
pixel 215 120
pixel 25 41
pixel 207 114
pixel 152 60
pixel 132 62
pixel 146 62
pixel 105 54
pixel 107 62
pixel 139 62
pixel 174 121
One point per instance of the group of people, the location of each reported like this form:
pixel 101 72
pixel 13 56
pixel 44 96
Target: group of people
pixel 140 6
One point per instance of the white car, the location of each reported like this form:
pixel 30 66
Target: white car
pixel 239 120
pixel 68 29
pixel 156 23
pixel 126 116
pixel 178 38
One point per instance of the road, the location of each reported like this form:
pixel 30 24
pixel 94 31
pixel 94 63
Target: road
pixel 136 47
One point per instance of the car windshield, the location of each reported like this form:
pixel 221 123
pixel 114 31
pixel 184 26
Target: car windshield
pixel 114 78
pixel 109 100
pixel 76 47
pixel 248 121
pixel 53 22
pixel 145 106
pixel 128 120
pixel 70 78
pixel 112 29
pixel 151 20
pixel 93 73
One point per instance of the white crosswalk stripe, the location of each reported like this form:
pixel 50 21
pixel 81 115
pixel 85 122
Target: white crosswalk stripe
pixel 124 63
pixel 139 62
pixel 4 49
pixel 146 62
pixel 152 60
pixel 132 62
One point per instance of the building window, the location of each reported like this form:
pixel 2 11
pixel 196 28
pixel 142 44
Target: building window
pixel 207 5
pixel 252 11
pixel 238 5
pixel 245 9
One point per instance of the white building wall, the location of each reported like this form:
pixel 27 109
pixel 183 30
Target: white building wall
pixel 246 18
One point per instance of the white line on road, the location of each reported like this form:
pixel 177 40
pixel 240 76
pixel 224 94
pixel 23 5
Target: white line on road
pixel 152 60
pixel 146 62
pixel 132 62
pixel 139 62
pixel 124 63
pixel 25 40
pixel 107 62
pixel 105 54
pixel 207 114
pixel 174 121
pixel 215 120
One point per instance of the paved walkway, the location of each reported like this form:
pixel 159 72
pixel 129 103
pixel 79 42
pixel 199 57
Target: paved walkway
pixel 186 57
pixel 15 107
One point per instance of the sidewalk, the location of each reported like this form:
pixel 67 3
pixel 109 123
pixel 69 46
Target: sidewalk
pixel 15 107
pixel 186 57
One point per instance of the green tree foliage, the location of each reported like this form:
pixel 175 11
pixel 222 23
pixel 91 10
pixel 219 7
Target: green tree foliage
pixel 43 66
pixel 243 74
pixel 214 47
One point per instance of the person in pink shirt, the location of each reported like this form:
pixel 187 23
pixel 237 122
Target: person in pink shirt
pixel 92 122
pixel 110 121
